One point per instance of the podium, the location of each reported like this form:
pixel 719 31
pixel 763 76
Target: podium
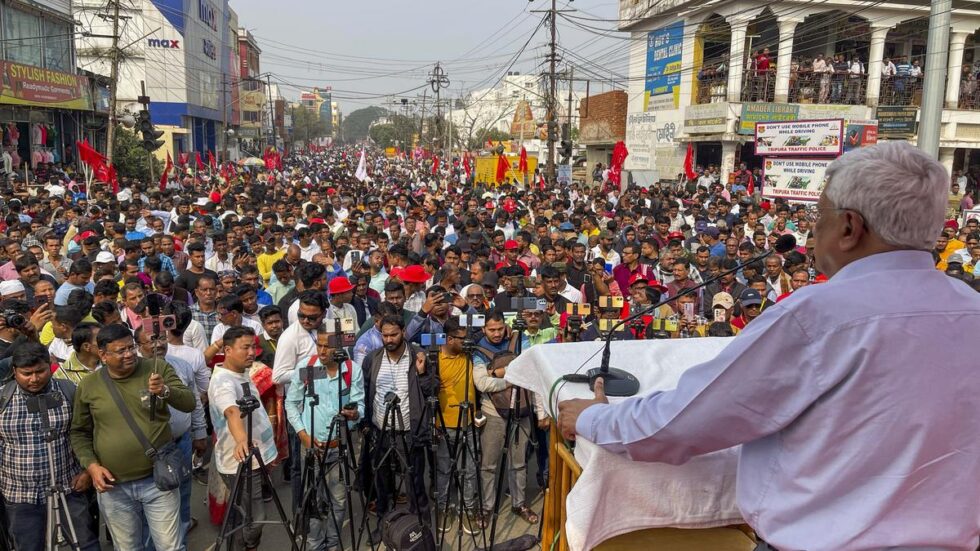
pixel 592 500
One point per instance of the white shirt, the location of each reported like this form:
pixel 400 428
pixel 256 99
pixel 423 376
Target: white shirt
pixel 612 257
pixel 294 344
pixel 858 422
pixel 217 265
pixel 194 336
pixel 219 330
pixel 307 253
pixel 393 377
pixel 571 293
pixel 225 390
pixel 888 69
pixel 195 358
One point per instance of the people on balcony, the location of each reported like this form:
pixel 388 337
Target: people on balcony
pixel 823 71
pixel 840 68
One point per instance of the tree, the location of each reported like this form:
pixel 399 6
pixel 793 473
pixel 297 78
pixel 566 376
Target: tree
pixel 130 159
pixel 385 135
pixel 481 136
pixel 307 125
pixel 357 125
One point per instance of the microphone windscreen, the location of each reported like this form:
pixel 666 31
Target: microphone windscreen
pixel 785 243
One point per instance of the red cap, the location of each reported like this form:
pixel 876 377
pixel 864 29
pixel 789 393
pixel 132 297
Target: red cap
pixel 339 285
pixel 414 274
pixel 821 278
pixel 215 197
pixel 638 277
pixel 318 221
pixel 656 285
pixel 510 245
pixel 331 191
pixel 951 224
pixel 765 205
pixel 675 235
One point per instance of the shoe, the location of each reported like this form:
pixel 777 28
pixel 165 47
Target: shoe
pixel 475 523
pixel 446 523
pixel 192 525
pixel 525 513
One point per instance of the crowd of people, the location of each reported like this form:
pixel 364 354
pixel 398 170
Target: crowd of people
pixel 146 311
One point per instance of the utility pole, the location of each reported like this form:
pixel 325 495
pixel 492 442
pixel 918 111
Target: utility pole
pixel 224 118
pixel 438 79
pixel 552 116
pixel 272 111
pixel 113 85
pixel 934 84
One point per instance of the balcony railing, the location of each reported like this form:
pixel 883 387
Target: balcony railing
pixel 712 89
pixel 969 93
pixel 759 86
pixel 805 86
pixel 900 90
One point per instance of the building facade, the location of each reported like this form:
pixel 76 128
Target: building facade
pixel 602 123
pixel 45 103
pixel 705 73
pixel 253 100
pixel 177 49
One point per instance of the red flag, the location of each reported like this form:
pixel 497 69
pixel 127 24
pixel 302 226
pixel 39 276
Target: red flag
pixel 226 171
pixel 166 172
pixel 197 159
pixel 616 161
pixel 689 163
pixel 466 166
pixel 211 161
pixel 183 158
pixel 113 180
pixel 541 181
pixel 750 186
pixel 88 155
pixel 502 167
pixel 489 143
pixel 522 163
pixel 435 164
pixel 277 158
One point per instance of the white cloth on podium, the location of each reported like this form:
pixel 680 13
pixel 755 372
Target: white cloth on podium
pixel 615 495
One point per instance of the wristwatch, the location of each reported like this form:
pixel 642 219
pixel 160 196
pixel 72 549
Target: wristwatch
pixel 166 392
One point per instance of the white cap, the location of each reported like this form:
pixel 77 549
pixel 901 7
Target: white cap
pixel 11 287
pixel 105 257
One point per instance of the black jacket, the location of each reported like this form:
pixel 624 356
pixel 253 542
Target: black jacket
pixel 420 387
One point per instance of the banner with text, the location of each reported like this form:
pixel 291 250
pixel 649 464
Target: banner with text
pixel 665 48
pixel 823 137
pixel 794 179
pixel 27 85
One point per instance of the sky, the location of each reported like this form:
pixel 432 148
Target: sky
pixel 368 54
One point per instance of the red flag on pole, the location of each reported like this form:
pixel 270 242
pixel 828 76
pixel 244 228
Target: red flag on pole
pixel 166 172
pixel 616 161
pixel 183 158
pixel 435 164
pixel 88 155
pixel 502 167
pixel 689 163
pixel 522 163
pixel 489 143
pixel 211 161
pixel 113 180
pixel 197 159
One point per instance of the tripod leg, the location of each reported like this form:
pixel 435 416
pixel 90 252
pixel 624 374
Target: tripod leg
pixel 227 533
pixel 71 536
pixel 264 475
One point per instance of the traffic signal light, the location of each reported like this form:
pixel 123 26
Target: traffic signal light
pixel 151 136
pixel 552 131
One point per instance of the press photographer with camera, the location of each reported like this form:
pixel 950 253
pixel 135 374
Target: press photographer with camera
pixel 25 478
pixel 435 311
pixel 302 415
pixel 110 423
pixel 232 444
pixel 398 372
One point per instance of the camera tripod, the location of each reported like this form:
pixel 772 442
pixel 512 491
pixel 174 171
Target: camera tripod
pixel 391 445
pixel 243 482
pixel 510 435
pixel 60 528
pixel 463 449
pixel 319 464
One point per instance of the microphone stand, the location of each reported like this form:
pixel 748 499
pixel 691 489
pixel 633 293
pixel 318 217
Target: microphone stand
pixel 623 383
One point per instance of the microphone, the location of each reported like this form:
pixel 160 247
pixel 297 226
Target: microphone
pixel 623 383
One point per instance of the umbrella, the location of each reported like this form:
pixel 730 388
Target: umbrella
pixel 251 161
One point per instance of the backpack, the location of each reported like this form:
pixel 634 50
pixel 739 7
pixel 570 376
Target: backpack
pixel 402 530
pixel 501 399
pixel 65 386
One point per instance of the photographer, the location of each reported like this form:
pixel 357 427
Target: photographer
pixel 25 479
pixel 398 370
pixel 121 471
pixel 453 388
pixel 434 313
pixel 224 395
pixel 302 414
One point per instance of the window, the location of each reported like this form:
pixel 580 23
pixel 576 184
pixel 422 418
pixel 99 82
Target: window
pixel 21 31
pixel 57 46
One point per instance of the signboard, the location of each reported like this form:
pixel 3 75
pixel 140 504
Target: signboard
pixel 896 121
pixel 564 176
pixel 753 112
pixel 971 214
pixel 859 134
pixel 794 179
pixel 486 169
pixel 710 118
pixel 799 138
pixel 27 85
pixel 665 47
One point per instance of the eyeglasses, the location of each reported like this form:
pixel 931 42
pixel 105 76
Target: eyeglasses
pixel 457 337
pixel 131 349
pixel 308 317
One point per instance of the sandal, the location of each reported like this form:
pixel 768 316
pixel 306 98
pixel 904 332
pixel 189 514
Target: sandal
pixel 525 513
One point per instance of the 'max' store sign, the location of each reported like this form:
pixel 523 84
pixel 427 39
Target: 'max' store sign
pixel 208 14
pixel 165 43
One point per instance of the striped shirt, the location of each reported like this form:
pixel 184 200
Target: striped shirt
pixel 393 377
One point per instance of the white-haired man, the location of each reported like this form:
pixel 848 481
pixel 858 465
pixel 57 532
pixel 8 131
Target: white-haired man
pixel 858 426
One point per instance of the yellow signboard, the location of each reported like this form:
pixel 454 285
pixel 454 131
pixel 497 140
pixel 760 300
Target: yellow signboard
pixel 486 169
pixel 27 85
pixel 390 152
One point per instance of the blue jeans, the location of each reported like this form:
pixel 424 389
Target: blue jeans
pixel 27 522
pixel 324 533
pixel 126 506
pixel 184 445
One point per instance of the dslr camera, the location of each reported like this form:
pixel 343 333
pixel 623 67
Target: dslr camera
pixel 14 319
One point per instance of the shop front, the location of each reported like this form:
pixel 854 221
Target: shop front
pixel 42 114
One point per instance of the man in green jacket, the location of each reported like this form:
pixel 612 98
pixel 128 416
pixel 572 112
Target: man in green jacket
pixel 112 454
